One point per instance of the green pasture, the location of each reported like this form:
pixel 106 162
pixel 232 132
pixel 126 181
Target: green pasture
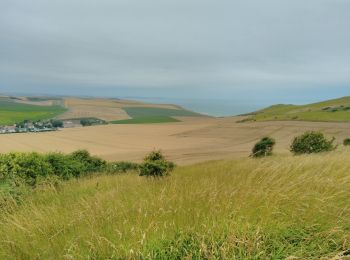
pixel 12 112
pixel 151 115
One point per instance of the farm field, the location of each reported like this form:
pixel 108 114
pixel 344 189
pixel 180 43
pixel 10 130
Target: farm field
pixel 116 109
pixel 282 207
pixel 195 139
pixel 337 110
pixel 147 120
pixel 14 112
pixel 146 115
pixel 16 109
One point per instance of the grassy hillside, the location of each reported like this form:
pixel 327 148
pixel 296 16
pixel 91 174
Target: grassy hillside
pixel 273 208
pixel 12 112
pixel 145 115
pixel 336 110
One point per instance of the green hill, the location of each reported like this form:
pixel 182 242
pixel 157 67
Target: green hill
pixel 336 110
pixel 12 112
pixel 294 207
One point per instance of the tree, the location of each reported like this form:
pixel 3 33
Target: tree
pixel 264 147
pixel 156 165
pixel 311 142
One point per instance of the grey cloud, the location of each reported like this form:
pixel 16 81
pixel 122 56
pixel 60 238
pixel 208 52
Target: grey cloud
pixel 221 46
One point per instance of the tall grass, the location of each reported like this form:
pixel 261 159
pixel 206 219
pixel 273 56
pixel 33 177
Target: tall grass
pixel 276 207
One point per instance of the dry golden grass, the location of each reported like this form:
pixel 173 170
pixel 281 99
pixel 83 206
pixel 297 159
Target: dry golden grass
pixel 273 208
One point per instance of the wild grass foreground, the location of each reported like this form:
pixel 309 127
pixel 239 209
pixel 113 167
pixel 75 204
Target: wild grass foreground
pixel 276 207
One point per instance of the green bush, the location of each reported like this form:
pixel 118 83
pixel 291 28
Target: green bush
pixel 91 163
pixel 311 142
pixel 122 167
pixel 26 166
pixel 91 121
pixel 16 168
pixel 57 123
pixel 65 166
pixel 346 141
pixel 156 165
pixel 264 147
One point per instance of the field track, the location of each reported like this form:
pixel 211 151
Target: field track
pixel 193 140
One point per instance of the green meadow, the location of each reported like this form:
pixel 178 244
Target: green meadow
pixel 280 207
pixel 337 110
pixel 147 120
pixel 12 112
pixel 151 115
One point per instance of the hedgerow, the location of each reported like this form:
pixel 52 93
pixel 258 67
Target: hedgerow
pixel 30 167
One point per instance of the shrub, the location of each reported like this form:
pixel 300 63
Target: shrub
pixel 26 166
pixel 57 123
pixel 264 147
pixel 346 141
pixel 156 165
pixel 311 142
pixel 65 166
pixel 90 163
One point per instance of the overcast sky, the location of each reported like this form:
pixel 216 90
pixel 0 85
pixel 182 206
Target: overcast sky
pixel 249 49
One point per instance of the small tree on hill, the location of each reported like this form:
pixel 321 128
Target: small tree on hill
pixel 311 142
pixel 156 165
pixel 264 147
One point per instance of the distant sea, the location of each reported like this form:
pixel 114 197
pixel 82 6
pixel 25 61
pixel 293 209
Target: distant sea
pixel 213 107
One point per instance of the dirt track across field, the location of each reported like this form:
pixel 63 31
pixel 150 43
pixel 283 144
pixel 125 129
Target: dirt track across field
pixel 190 141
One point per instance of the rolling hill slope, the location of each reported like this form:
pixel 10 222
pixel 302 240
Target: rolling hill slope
pixel 294 207
pixel 336 110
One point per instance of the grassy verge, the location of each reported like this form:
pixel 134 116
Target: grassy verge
pixel 273 208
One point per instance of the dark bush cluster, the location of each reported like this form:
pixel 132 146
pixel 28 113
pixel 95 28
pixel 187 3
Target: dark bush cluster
pixel 311 142
pixel 264 147
pixel 346 141
pixel 90 163
pixel 29 167
pixel 91 121
pixel 57 123
pixel 156 165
